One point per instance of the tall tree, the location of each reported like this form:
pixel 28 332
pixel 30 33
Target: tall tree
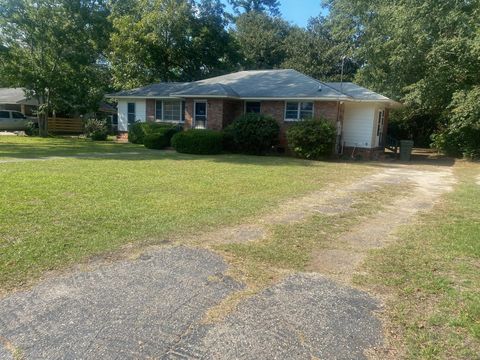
pixel 268 6
pixel 421 52
pixel 53 49
pixel 261 39
pixel 169 40
pixel 316 52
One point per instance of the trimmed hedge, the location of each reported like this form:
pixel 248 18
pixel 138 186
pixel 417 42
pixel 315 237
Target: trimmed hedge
pixel 160 139
pixel 252 134
pixel 137 131
pixel 312 139
pixel 198 141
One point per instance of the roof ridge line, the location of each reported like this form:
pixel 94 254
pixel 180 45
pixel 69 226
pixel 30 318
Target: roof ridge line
pixel 323 83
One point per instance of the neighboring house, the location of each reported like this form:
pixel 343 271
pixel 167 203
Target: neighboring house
pixel 16 99
pixel 360 115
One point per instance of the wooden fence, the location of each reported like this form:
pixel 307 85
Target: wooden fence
pixel 65 125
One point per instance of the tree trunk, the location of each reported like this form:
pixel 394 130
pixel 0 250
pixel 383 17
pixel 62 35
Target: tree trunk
pixel 42 114
pixel 43 124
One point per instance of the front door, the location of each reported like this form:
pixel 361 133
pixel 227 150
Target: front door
pixel 200 115
pixel 380 125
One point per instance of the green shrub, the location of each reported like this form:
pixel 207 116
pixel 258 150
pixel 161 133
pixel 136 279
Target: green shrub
pixel 137 131
pixel 312 139
pixel 96 129
pixel 31 129
pixel 160 138
pixel 157 140
pixel 252 134
pixel 196 141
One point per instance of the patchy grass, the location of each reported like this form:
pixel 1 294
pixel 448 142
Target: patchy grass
pixel 289 248
pixel 431 277
pixel 59 212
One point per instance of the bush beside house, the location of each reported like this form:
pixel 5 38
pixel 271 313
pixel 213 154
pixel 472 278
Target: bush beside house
pixel 96 129
pixel 312 139
pixel 252 134
pixel 160 138
pixel 139 130
pixel 196 141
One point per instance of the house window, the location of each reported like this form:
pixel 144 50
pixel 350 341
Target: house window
pixel 298 110
pixel 201 114
pixel 158 110
pixel 252 107
pixel 131 112
pixel 172 111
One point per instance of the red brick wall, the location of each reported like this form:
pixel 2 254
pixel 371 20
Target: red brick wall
pixel 231 110
pixel 215 114
pixel 326 109
pixel 150 110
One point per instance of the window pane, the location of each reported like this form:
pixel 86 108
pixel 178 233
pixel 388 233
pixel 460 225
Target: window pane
pixel 306 106
pixel 172 110
pixel 131 118
pixel 252 107
pixel 17 115
pixel 4 114
pixel 291 106
pixel 158 109
pixel 201 115
pixel 291 114
pixel 306 114
pixel 131 108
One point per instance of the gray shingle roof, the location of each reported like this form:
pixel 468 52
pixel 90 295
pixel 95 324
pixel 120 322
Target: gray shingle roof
pixel 357 92
pixel 164 89
pixel 15 96
pixel 258 84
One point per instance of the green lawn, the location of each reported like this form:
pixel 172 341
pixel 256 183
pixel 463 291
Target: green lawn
pixel 431 277
pixel 58 212
pixel 36 147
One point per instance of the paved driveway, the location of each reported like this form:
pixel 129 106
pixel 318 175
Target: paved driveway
pixel 152 307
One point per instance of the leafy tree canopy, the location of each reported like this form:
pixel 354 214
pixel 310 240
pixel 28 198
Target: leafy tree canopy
pixel 268 6
pixel 169 40
pixel 53 48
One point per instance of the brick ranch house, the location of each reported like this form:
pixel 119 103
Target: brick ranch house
pixel 360 115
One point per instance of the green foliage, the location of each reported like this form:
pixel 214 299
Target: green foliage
pixel 461 136
pixel 197 141
pixel 312 138
pixel 137 131
pixel 317 51
pixel 272 6
pixel 169 40
pixel 159 139
pixel 253 134
pixel 96 129
pixel 32 129
pixel 261 39
pixel 420 52
pixel 52 48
